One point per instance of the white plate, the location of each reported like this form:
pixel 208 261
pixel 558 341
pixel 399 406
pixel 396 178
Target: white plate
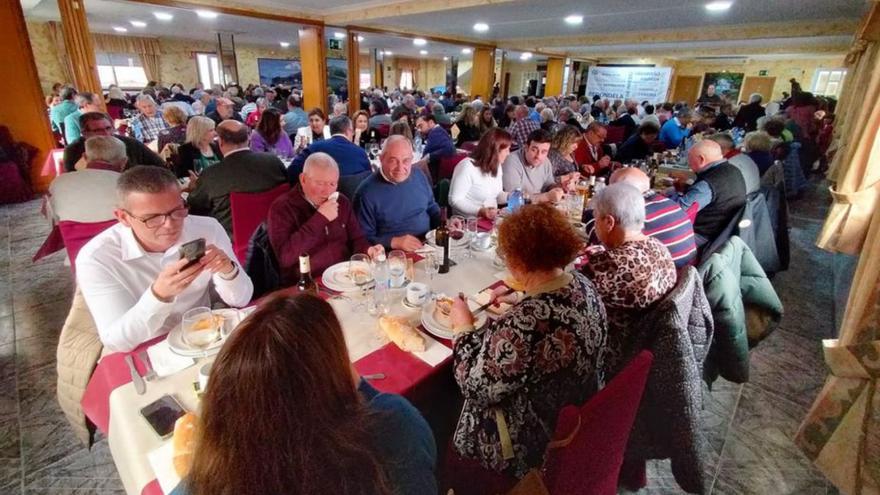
pixel 438 329
pixel 231 318
pixel 453 243
pixel 336 278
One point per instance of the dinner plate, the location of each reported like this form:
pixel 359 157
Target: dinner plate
pixel 453 243
pixel 336 278
pixel 438 329
pixel 231 318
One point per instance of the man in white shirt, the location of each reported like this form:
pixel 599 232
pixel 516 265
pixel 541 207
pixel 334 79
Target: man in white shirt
pixel 90 195
pixel 131 275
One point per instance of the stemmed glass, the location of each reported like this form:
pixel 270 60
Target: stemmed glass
pixel 361 273
pixel 472 229
pixel 457 227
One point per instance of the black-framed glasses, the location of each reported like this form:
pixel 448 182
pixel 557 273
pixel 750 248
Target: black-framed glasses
pixel 156 221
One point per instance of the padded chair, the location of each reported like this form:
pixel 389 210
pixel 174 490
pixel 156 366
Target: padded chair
pixel 592 438
pixel 615 134
pixel 348 184
pixel 469 146
pixel 76 234
pixel 383 130
pixel 448 164
pixel 249 210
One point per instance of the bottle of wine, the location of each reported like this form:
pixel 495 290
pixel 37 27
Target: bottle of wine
pixel 441 237
pixel 306 282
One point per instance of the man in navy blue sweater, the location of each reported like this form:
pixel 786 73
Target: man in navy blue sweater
pixel 395 206
pixel 438 142
pixel 352 159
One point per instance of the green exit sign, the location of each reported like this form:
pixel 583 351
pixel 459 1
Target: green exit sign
pixel 335 44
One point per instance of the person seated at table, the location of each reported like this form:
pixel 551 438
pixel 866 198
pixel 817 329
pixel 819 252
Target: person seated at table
pixel 88 102
pixel 131 275
pixel 68 105
pixel 295 118
pixel 395 206
pixel 200 150
pixel 743 162
pixel 147 125
pixel 99 124
pixel 640 145
pixel 468 125
pixel 561 154
pixel 438 144
pixel 379 113
pixel 225 110
pixel 351 158
pixel 529 170
pixel 664 218
pixel 306 220
pixel 241 170
pixel 277 429
pixel 757 146
pixel 176 131
pixel 363 134
pixel 315 131
pixel 633 272
pixel 676 129
pixel 401 128
pixel 719 191
pixel 253 118
pixel 269 137
pixel 477 187
pixel 90 194
pixel 591 154
pixel 522 126
pixel 552 344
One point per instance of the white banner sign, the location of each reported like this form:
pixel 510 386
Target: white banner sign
pixel 638 83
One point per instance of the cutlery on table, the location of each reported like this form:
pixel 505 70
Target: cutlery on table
pixel 139 386
pixel 374 376
pixel 145 358
pixel 493 301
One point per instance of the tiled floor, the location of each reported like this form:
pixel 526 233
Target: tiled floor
pixel 750 427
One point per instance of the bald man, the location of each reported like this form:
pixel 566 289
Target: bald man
pixel 241 170
pixel 719 191
pixel 664 219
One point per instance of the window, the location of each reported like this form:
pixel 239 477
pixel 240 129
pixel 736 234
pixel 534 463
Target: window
pixel 123 70
pixel 406 79
pixel 365 80
pixel 209 69
pixel 828 82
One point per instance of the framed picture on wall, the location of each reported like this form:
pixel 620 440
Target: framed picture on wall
pixel 726 83
pixel 337 76
pixel 275 71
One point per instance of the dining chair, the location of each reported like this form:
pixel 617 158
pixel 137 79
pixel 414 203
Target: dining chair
pixel 76 234
pixel 249 210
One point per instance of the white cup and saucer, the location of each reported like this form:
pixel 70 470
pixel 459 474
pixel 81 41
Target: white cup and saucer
pixel 417 294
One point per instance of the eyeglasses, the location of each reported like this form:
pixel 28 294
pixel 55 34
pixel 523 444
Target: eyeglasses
pixel 156 221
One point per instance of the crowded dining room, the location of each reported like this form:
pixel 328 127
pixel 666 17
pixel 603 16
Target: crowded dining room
pixel 474 247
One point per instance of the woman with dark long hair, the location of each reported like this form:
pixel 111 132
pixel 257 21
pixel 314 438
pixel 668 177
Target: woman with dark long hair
pixel 269 136
pixel 476 187
pixel 284 413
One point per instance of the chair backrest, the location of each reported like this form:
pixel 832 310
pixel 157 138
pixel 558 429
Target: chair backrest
pixel 383 130
pixel 348 184
pixel 598 432
pixel 469 145
pixel 692 211
pixel 615 134
pixel 448 164
pixel 77 234
pixel 249 210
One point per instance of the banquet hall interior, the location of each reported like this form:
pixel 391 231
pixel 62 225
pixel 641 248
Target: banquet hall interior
pixel 767 375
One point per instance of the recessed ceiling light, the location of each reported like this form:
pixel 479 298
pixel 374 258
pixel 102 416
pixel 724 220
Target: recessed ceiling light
pixel 481 27
pixel 163 16
pixel 338 35
pixel 284 44
pixel 206 14
pixel 423 52
pixel 718 6
pixel 574 19
pixel 420 42
pixel 120 29
pixel 445 58
pixel 360 38
pixel 465 50
pixel 138 24
pixel 388 52
pixel 525 56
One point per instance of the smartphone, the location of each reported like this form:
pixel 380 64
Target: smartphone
pixel 192 251
pixel 162 414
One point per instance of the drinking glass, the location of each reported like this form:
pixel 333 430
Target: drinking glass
pixel 200 328
pixel 472 229
pixel 373 150
pixel 432 264
pixel 360 271
pixel 397 268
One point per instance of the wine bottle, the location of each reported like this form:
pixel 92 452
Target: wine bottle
pixel 306 282
pixel 441 237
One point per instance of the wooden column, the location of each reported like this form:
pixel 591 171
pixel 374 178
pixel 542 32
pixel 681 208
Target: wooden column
pixel 26 119
pixel 555 72
pixel 378 69
pixel 313 59
pixel 483 73
pixel 78 42
pixel 354 73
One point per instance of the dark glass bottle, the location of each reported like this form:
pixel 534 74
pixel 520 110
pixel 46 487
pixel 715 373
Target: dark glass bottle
pixel 441 237
pixel 306 282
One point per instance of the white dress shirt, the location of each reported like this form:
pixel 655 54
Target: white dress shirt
pixel 116 276
pixel 471 189
pixel 85 196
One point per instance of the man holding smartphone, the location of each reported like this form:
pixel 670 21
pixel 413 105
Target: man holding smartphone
pixel 135 281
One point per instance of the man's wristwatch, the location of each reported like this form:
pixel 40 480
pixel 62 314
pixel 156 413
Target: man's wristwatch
pixel 232 275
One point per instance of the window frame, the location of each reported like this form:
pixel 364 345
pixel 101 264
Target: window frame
pixel 210 56
pixel 135 62
pixel 830 71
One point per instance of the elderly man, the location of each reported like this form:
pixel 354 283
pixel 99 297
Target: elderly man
pixel 308 219
pixel 590 153
pixel 675 130
pixel 241 170
pixel 438 143
pixel 530 170
pixel 204 99
pixel 225 111
pixel 296 117
pixel 99 124
pixel 720 190
pixel 522 126
pixel 639 145
pixel 395 206
pixel 149 123
pixel 408 109
pixel 351 158
pixel 90 195
pixel 742 161
pixel 132 276
pixel 88 102
pixel 748 115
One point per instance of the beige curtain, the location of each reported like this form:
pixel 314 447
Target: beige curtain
pixel 412 66
pixel 57 37
pixel 146 48
pixel 841 433
pixel 152 66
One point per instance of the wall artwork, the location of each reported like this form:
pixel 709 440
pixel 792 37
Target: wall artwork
pixel 337 76
pixel 274 71
pixel 726 83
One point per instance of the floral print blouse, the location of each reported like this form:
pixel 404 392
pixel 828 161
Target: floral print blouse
pixel 544 353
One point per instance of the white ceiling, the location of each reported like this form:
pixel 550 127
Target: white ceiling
pixel 717 47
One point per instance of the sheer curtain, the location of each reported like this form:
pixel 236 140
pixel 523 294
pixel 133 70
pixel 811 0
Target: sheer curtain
pixel 146 48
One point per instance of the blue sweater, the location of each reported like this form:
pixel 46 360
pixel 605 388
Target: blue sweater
pixel 438 143
pixel 672 135
pixel 351 158
pixel 387 210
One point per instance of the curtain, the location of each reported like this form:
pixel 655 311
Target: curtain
pixel 57 37
pixel 404 64
pixel 146 48
pixel 151 65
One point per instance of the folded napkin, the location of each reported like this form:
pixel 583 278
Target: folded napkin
pixel 165 361
pixel 162 462
pixel 434 353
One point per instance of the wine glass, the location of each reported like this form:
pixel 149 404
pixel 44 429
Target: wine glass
pixel 397 268
pixel 200 328
pixel 360 272
pixel 472 229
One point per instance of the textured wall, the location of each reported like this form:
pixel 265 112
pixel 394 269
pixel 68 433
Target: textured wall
pixel 246 56
pixel 45 55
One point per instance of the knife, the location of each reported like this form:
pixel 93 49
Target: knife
pixel 139 386
pixel 491 302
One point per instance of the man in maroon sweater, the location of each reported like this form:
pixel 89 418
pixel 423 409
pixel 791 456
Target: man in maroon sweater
pixel 309 220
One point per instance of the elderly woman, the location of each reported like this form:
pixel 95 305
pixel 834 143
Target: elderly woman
pixel 440 115
pixel 758 145
pixel 561 155
pixel 546 352
pixel 633 272
pixel 199 151
pixel 253 118
pixel 175 117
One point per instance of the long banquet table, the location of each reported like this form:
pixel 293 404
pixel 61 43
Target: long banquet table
pixel 112 404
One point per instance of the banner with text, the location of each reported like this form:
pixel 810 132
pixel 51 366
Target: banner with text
pixel 638 83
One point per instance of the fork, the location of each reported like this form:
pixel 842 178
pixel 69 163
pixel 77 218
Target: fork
pixel 145 358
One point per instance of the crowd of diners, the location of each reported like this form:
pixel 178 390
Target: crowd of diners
pixel 285 411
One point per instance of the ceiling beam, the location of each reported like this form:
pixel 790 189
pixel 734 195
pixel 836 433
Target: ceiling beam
pixel 834 49
pixel 411 33
pixel 383 10
pixel 238 9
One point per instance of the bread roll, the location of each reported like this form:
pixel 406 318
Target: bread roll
pixel 402 333
pixel 184 443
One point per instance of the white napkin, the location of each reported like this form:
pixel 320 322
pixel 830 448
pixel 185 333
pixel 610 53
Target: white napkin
pixel 165 362
pixel 434 353
pixel 162 462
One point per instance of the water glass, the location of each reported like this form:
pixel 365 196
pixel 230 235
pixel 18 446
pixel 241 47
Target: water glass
pixel 433 260
pixel 200 328
pixel 360 271
pixel 472 229
pixel 397 268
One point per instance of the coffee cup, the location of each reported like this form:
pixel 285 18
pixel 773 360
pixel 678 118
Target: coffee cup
pixel 417 293
pixel 204 372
